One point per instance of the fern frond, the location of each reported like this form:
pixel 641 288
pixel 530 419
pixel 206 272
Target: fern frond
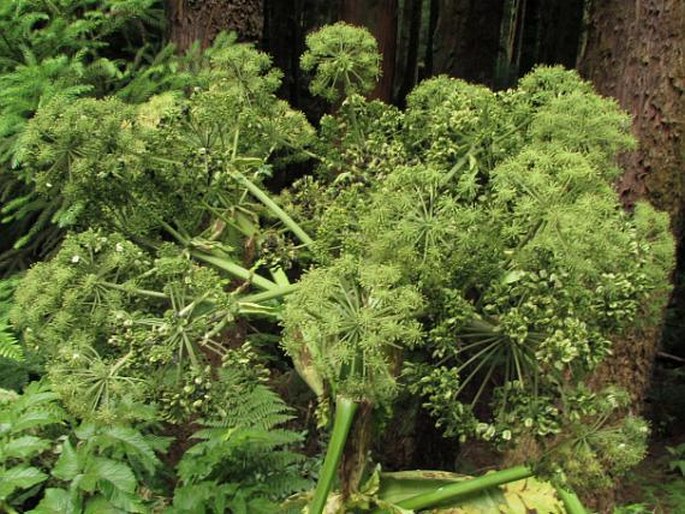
pixel 245 449
pixel 9 346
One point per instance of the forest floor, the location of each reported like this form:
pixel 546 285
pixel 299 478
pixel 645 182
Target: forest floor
pixel 653 487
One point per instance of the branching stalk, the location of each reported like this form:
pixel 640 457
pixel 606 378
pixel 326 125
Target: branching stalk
pixel 271 294
pixel 275 209
pixel 236 270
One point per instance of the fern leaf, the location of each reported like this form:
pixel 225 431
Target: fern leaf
pixel 9 346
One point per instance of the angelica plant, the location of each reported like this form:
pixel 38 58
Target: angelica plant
pixel 498 210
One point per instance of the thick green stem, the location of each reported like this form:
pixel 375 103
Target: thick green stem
pixel 275 209
pixel 345 409
pixel 571 501
pixel 452 492
pixel 137 291
pixel 236 270
pixel 276 292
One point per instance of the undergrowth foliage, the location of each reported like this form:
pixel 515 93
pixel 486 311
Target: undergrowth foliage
pixel 468 249
pixel 171 243
pixel 59 51
pixel 243 463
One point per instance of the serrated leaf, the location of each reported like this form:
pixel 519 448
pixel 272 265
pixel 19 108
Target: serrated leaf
pixel 134 443
pixel 116 473
pixel 25 447
pixel 68 465
pixel 20 477
pixel 531 495
pixel 127 502
pixel 33 419
pixel 55 501
pixel 100 505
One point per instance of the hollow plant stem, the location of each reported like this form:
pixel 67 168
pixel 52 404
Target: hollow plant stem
pixel 236 270
pixel 452 492
pixel 268 202
pixel 345 410
pixel 276 292
pixel 571 501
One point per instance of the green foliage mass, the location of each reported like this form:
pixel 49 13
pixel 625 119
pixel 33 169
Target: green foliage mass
pixel 243 462
pixel 56 52
pixel 129 168
pixel 28 424
pixel 110 316
pixel 104 471
pixel 468 249
pixel 498 208
pixel 9 346
pixel 345 327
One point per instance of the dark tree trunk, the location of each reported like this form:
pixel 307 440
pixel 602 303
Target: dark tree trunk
pixel 286 24
pixel 537 32
pixel 466 39
pixel 407 59
pixel 380 17
pixel 202 20
pixel 634 51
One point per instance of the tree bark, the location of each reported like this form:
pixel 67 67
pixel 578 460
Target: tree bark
pixel 202 20
pixel 407 59
pixel 380 17
pixel 634 51
pixel 286 24
pixel 466 39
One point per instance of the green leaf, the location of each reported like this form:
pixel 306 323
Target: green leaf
pixel 26 446
pixel 19 477
pixel 9 346
pixel 33 419
pixel 679 465
pixel 55 501
pixel 519 497
pixel 68 465
pixel 513 276
pixel 126 502
pixel 133 442
pixel 531 495
pixel 100 505
pixel 116 473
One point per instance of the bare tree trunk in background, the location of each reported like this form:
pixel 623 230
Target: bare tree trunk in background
pixel 380 17
pixel 202 20
pixel 466 40
pixel 408 47
pixel 634 51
